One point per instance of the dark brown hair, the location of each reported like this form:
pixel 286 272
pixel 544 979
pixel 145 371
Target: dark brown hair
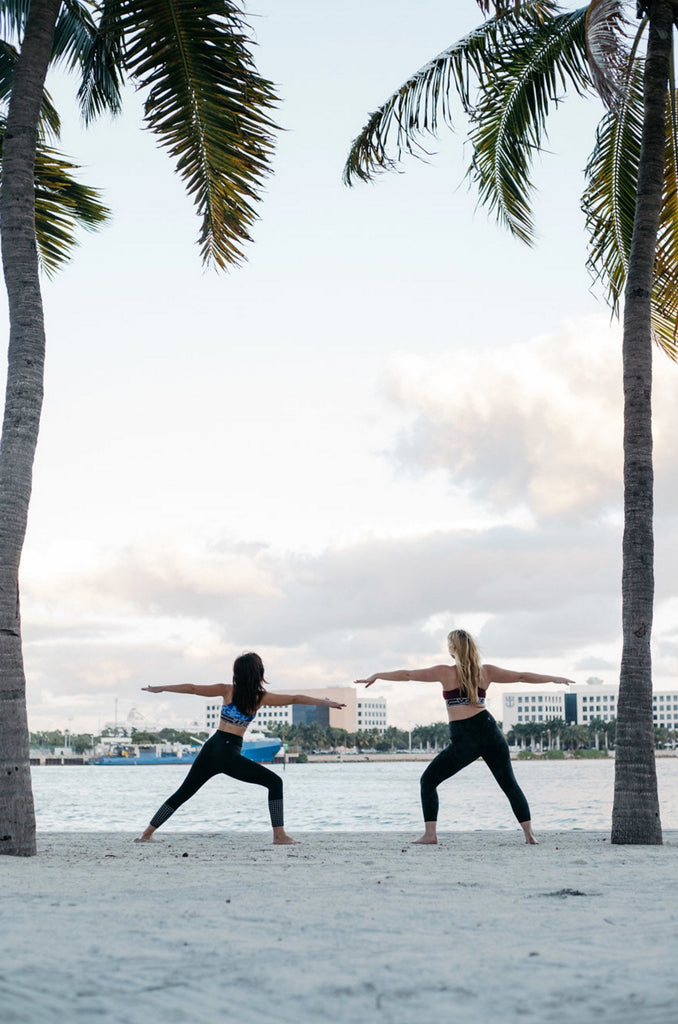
pixel 248 683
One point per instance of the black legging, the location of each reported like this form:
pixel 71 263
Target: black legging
pixel 221 755
pixel 470 738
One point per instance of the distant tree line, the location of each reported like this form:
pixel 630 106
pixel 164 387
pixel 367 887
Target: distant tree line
pixel 313 737
pixel 552 735
pixel 80 743
pixel 557 734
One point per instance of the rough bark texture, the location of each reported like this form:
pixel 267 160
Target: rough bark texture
pixel 23 404
pixel 635 815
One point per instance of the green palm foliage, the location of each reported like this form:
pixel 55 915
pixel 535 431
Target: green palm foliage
pixel 539 59
pixel 61 202
pixel 204 100
pixel 507 76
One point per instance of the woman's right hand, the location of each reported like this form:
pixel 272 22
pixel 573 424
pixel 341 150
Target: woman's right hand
pixel 364 682
pixel 152 689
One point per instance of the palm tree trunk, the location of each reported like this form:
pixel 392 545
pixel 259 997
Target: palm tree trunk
pixel 635 815
pixel 23 404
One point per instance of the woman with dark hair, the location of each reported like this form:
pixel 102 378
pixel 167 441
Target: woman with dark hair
pixel 473 731
pixel 221 754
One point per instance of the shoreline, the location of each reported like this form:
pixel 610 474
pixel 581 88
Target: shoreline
pixel 422 756
pixel 347 926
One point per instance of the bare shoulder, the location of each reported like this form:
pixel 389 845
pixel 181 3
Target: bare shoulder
pixel 446 675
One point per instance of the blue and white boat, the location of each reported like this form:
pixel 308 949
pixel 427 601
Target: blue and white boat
pixel 256 747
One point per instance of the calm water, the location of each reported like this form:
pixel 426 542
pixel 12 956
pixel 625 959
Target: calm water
pixel 336 797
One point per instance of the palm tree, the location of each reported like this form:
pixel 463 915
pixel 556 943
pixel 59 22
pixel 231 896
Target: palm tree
pixel 508 74
pixel 209 108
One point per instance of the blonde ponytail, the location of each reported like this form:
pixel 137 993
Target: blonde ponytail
pixel 463 649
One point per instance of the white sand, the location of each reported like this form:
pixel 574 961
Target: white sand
pixel 356 927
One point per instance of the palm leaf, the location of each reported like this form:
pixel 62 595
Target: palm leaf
pixel 665 282
pixel 606 43
pixel 418 107
pixel 61 204
pixel 49 118
pixel 509 121
pixel 13 14
pixel 208 105
pixel 96 51
pixel 500 7
pixel 609 203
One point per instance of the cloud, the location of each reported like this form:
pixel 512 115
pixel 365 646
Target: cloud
pixel 536 424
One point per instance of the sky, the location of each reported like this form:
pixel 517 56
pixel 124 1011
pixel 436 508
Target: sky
pixel 392 420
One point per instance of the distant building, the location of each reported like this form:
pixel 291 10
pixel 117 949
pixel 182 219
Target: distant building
pixel 360 713
pixel 578 704
pixel 536 704
pixel 371 713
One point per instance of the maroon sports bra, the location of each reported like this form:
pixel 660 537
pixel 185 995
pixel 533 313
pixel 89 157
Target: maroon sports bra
pixel 453 697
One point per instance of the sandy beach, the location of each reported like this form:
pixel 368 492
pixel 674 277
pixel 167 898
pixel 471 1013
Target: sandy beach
pixel 355 927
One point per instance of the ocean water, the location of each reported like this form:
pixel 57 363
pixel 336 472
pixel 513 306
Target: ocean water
pixel 336 797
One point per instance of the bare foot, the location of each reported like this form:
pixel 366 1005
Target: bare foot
pixel 282 839
pixel 528 833
pixel 147 836
pixel 426 840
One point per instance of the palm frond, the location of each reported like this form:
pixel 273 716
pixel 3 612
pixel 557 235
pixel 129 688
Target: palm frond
pixel 500 8
pixel 13 14
pixel 95 49
pixel 424 101
pixel 61 204
pixel 609 201
pixel 208 105
pixel 529 76
pixel 49 118
pixel 607 32
pixel 665 281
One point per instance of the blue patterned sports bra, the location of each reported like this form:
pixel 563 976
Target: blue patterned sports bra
pixel 231 714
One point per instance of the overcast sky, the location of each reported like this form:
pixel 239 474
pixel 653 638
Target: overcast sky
pixel 393 420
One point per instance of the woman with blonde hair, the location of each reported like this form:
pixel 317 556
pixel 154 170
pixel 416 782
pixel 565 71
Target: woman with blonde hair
pixel 473 731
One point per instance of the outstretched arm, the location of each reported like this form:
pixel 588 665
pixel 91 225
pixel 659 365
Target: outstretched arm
pixel 280 699
pixel 437 674
pixel 503 675
pixel 215 690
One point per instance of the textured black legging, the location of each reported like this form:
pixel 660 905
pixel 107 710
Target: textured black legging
pixel 221 755
pixel 470 738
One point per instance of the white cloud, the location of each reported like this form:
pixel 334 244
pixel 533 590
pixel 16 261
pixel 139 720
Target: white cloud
pixel 535 424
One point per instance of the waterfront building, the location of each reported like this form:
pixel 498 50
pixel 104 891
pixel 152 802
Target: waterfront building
pixel 579 704
pixel 536 704
pixel 361 712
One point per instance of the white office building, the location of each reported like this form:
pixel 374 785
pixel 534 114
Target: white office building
pixel 360 713
pixel 533 704
pixel 580 704
pixel 370 713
